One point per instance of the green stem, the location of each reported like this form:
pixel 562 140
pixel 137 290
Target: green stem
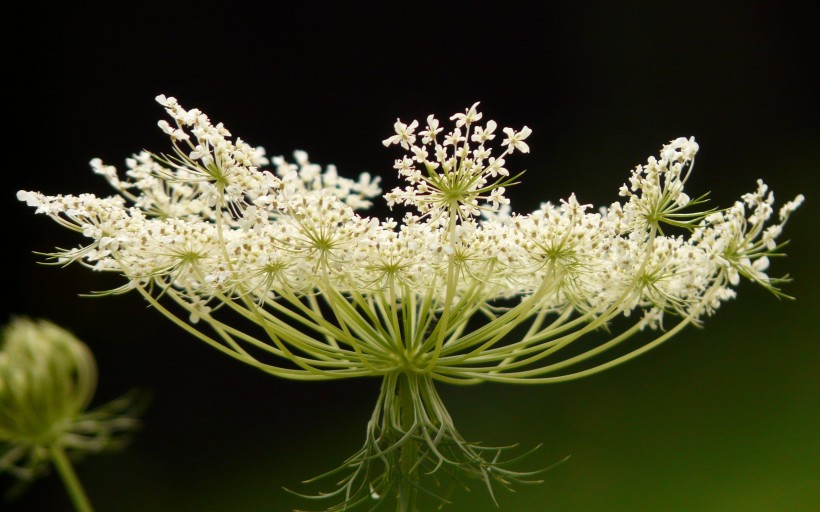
pixel 408 489
pixel 70 480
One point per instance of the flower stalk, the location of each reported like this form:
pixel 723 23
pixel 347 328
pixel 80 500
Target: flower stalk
pixel 69 477
pixel 408 460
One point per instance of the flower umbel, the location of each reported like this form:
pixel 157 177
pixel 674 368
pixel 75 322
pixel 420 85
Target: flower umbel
pixel 280 270
pixel 456 178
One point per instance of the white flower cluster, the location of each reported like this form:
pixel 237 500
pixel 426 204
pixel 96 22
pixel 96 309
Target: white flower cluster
pixel 279 270
pixel 457 176
pixel 207 228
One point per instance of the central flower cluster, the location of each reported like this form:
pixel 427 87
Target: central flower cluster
pixel 458 176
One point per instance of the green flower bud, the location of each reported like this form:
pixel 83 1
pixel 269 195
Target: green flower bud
pixel 47 379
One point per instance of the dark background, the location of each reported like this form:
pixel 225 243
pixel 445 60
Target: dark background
pixel 724 418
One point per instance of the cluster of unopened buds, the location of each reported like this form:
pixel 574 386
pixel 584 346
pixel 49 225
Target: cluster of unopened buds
pixel 47 381
pixel 279 269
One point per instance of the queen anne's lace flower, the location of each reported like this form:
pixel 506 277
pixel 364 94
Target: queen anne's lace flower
pixel 441 295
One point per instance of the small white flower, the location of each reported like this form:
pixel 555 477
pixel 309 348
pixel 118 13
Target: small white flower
pixel 515 140
pixel 787 209
pixel 470 116
pixel 454 138
pixel 431 130
pixel 404 134
pixel 482 134
pixel 30 198
pixel 165 127
pixel 497 198
pixel 419 154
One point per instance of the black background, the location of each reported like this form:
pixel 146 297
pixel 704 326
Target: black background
pixel 718 419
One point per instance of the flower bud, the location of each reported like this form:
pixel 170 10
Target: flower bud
pixel 47 379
